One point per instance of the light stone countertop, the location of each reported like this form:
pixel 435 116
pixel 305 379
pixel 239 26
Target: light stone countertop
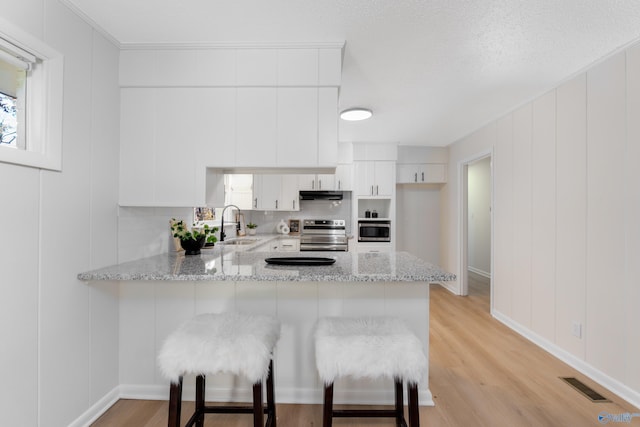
pixel 242 263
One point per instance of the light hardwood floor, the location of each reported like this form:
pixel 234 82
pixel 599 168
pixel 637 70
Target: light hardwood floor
pixel 481 374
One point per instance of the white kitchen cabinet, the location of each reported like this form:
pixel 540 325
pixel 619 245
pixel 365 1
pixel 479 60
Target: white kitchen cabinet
pixel 316 182
pixel 327 144
pixel 137 147
pixel 273 192
pixel 288 245
pixel 344 177
pixel 421 173
pixel 374 178
pixel 364 247
pixel 289 193
pixel 297 117
pixel 154 134
pixel 282 244
pixel 149 144
pixel 256 127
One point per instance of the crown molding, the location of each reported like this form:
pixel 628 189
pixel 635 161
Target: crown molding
pixel 233 45
pixel 86 18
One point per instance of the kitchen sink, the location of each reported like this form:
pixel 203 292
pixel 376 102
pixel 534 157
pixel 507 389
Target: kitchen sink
pixel 240 242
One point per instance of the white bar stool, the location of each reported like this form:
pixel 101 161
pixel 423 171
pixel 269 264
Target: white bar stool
pixel 371 347
pixel 235 343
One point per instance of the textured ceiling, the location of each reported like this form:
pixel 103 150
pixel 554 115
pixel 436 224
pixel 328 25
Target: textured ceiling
pixel 432 70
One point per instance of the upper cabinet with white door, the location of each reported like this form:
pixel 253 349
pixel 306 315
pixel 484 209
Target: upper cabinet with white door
pixel 316 182
pixel 374 170
pixel 422 165
pixel 275 192
pixel 268 107
pixel 374 178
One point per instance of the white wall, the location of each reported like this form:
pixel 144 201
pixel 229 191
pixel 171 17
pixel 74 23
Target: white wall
pixel 60 336
pixel 566 209
pixel 418 220
pixel 479 216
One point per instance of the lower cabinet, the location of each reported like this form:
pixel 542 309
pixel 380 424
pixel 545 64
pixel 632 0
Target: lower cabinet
pixel 282 244
pixel 288 245
pixel 373 248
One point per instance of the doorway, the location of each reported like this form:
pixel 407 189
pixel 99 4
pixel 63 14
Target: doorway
pixel 476 226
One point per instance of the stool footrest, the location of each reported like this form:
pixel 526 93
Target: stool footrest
pixel 357 413
pixel 231 409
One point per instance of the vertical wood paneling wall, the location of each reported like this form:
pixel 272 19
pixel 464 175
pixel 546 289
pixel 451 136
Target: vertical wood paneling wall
pixel 566 213
pixel 60 336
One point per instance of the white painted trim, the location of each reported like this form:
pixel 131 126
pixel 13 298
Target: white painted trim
pixel 462 237
pixel 44 84
pixel 86 18
pixel 97 409
pixel 479 272
pixel 233 45
pixel 613 385
pixel 452 286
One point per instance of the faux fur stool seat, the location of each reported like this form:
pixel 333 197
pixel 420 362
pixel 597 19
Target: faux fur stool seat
pixel 371 347
pixel 235 343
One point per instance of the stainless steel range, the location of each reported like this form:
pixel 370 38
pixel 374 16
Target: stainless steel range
pixel 323 235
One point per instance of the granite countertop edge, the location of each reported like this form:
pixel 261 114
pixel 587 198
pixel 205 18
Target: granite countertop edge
pixel 90 277
pixel 349 267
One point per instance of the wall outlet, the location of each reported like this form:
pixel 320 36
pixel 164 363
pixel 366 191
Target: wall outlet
pixel 576 329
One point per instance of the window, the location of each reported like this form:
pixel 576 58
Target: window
pixel 12 97
pixel 30 100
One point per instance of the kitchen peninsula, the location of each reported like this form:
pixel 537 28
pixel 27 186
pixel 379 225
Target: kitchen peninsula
pixel 159 292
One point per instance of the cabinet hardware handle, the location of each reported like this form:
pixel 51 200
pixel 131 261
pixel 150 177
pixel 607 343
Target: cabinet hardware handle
pixel 339 185
pixel 294 205
pixel 313 184
pixel 372 190
pixel 276 204
pixel 319 184
pixel 422 176
pixel 256 203
pixel 376 190
pixel 415 179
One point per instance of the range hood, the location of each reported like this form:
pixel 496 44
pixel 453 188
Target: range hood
pixel 321 195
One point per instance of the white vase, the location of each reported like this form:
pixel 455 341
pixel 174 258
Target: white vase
pixel 251 231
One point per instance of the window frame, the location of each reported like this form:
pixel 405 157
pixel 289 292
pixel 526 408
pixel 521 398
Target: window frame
pixel 43 139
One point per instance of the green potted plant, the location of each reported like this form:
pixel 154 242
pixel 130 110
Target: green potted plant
pixel 251 227
pixel 193 240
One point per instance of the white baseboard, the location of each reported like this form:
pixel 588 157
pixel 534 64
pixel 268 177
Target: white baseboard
pixel 283 395
pixel 613 385
pixel 479 272
pixel 97 409
pixel 451 286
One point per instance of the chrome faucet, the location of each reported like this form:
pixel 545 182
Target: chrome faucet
pixel 222 233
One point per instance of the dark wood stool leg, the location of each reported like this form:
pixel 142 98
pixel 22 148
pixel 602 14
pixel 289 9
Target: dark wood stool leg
pixel 258 409
pixel 399 402
pixel 327 415
pixel 175 403
pixel 414 415
pixel 271 404
pixel 200 386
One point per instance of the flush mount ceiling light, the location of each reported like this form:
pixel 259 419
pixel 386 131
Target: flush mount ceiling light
pixel 355 114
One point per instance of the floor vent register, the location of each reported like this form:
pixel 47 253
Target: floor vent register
pixel 586 391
